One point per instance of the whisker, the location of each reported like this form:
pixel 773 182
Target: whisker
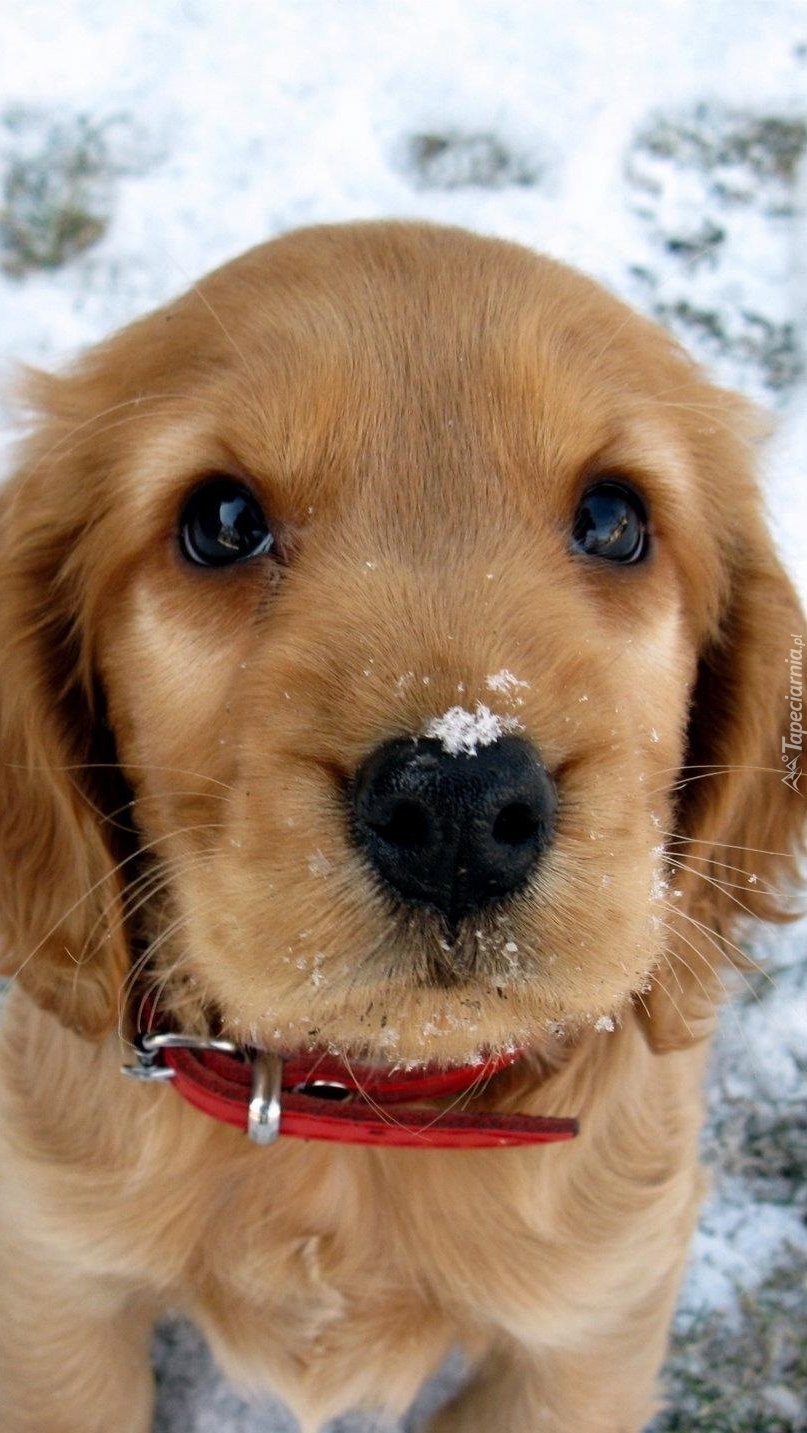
pixel 237 350
pixel 161 979
pixel 139 401
pixel 464 1097
pixel 125 991
pixel 140 800
pixel 724 845
pixel 668 993
pixel 710 411
pixel 716 767
pixel 666 926
pixel 713 771
pixel 723 885
pixel 115 766
pixel 672 957
pixel 718 884
pixel 721 943
pixel 709 966
pixel 142 891
pixel 386 1115
pixel 687 856
pixel 61 452
pixel 639 995
pixel 116 869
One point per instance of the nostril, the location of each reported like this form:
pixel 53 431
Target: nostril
pixel 408 826
pixel 452 832
pixel 515 825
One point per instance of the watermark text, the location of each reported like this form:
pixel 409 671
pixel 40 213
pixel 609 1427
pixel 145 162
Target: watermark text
pixel 793 741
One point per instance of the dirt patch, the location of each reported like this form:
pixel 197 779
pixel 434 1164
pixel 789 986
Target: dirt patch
pixel 454 160
pixel 58 178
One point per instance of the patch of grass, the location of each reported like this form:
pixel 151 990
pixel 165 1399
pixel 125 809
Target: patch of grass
pixel 715 186
pixel 769 1152
pixel 746 1373
pixel 744 1369
pixel 453 160
pixel 773 347
pixel 57 178
pixel 713 138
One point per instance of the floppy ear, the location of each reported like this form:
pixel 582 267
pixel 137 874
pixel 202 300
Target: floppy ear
pixel 740 821
pixel 60 919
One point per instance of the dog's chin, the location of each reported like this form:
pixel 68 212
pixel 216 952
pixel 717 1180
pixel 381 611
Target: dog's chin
pixel 390 1024
pixel 419 998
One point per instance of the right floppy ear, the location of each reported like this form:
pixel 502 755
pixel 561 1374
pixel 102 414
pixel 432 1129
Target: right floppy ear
pixel 740 826
pixel 61 928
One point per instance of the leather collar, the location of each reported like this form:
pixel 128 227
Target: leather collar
pixel 320 1097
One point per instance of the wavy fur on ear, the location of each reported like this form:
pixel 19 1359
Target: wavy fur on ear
pixel 60 885
pixel 740 825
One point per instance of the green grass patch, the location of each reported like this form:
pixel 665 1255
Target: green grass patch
pixel 745 1372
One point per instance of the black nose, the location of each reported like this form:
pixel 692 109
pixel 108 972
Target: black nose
pixel 453 832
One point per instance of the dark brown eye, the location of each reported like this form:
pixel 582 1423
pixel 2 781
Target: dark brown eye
pixel 611 522
pixel 222 523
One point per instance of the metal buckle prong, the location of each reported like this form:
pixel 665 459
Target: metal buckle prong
pixel 263 1124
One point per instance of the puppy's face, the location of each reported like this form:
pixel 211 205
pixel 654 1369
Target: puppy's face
pixel 424 487
pixel 397 552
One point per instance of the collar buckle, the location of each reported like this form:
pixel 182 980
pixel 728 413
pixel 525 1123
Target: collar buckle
pixel 263 1116
pixel 149 1048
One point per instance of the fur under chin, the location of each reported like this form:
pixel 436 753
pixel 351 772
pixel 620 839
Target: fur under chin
pixel 396 1023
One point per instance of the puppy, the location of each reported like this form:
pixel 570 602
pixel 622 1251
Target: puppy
pixel 395 674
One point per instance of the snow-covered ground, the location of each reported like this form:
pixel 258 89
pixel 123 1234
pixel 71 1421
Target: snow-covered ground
pixel 659 144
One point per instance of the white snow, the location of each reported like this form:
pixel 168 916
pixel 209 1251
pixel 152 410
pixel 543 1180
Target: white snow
pixel 605 1024
pixel 462 732
pixel 318 864
pixel 506 683
pixel 228 123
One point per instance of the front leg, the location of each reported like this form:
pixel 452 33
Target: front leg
pixel 74 1351
pixel 516 1391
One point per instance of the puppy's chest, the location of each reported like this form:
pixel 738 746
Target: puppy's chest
pixel 313 1257
pixel 301 1302
pixel 298 1283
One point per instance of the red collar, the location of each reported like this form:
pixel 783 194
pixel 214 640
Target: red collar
pixel 320 1097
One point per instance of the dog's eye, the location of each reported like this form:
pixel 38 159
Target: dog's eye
pixel 611 522
pixel 221 523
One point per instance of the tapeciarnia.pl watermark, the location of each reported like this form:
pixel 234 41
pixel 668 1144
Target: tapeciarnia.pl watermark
pixel 793 742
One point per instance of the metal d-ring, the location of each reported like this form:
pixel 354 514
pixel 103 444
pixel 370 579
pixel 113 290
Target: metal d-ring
pixel 263 1125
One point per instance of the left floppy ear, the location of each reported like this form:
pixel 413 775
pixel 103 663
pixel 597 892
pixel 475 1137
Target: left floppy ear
pixel 741 813
pixel 61 924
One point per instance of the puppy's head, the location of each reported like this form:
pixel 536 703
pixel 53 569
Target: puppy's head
pixel 395 660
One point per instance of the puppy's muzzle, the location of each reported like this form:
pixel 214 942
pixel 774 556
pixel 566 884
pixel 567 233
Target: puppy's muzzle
pixel 454 833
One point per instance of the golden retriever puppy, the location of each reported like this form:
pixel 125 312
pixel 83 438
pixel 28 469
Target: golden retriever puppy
pixel 395 673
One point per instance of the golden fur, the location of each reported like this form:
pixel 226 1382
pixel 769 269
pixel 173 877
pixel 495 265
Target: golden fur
pixel 419 410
